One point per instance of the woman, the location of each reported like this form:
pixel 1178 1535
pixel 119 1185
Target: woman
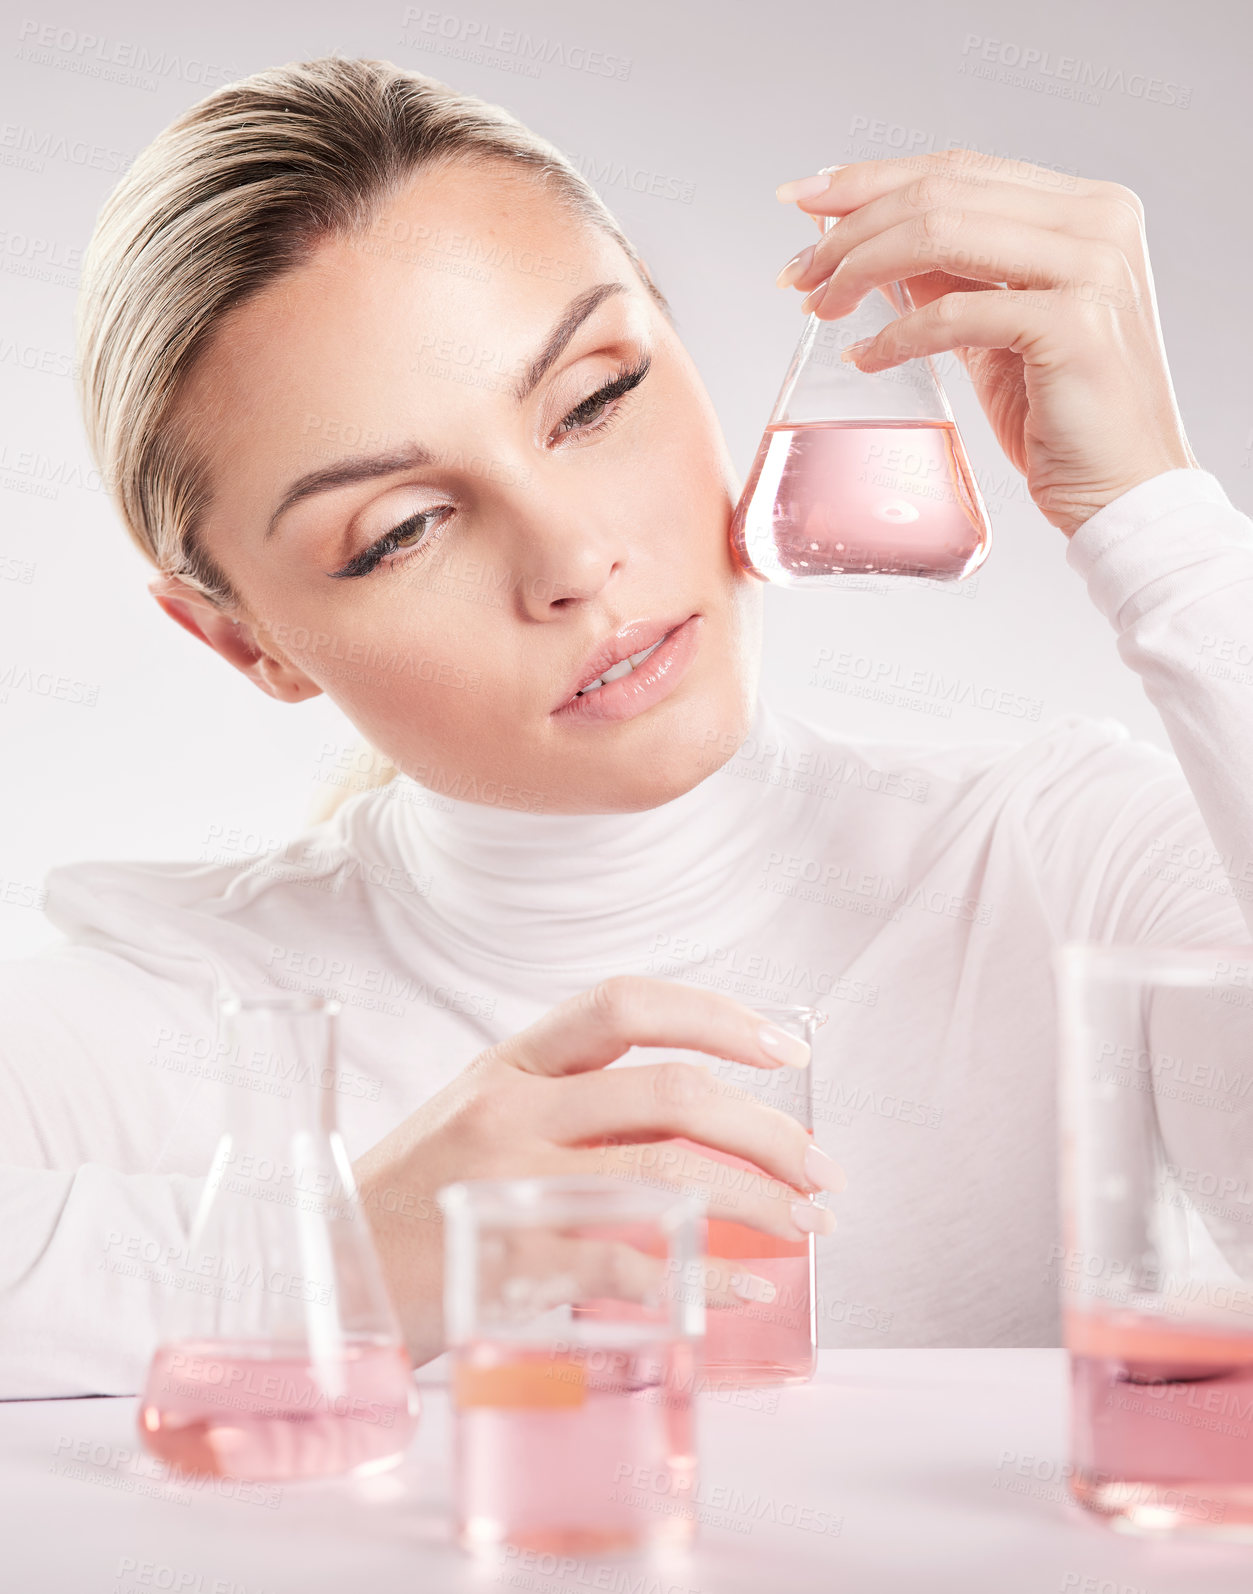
pixel 399 415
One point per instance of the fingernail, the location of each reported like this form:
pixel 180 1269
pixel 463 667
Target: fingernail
pixel 820 1170
pixel 812 1219
pixel 854 349
pixel 751 1288
pixel 796 268
pixel 803 187
pixel 789 1049
pixel 810 300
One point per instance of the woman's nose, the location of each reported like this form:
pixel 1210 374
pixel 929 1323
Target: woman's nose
pixel 561 565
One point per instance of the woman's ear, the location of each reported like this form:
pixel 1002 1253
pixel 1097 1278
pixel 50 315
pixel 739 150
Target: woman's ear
pixel 235 640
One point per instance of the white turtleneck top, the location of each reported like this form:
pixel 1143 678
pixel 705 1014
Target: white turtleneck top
pixel 914 892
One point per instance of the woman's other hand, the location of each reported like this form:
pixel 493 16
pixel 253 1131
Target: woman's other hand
pixel 1039 282
pixel 543 1102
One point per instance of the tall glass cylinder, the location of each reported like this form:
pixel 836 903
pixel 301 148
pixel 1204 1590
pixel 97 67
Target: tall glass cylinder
pixel 1156 1258
pixel 770 1334
pixel 280 1356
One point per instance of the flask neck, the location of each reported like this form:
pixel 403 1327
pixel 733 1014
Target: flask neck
pixel 281 1072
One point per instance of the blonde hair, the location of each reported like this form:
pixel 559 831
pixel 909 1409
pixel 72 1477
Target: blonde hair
pixel 237 191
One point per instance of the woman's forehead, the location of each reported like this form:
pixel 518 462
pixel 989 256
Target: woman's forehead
pixel 466 262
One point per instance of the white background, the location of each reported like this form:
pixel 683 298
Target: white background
pixel 723 100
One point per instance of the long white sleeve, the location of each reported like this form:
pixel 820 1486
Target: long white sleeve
pixel 91 1233
pixel 88 1261
pixel 1170 565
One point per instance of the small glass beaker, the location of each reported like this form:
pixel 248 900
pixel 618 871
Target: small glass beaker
pixel 574 1435
pixel 280 1356
pixel 1155 1264
pixel 770 1336
pixel 859 473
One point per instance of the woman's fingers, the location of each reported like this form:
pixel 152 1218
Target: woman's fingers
pixel 998 319
pixel 736 1193
pixel 986 248
pixel 725 1282
pixel 598 1025
pixel 662 1101
pixel 939 202
pixel 863 181
pixel 531 1271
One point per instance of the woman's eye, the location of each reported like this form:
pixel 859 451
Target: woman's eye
pixel 410 533
pixel 583 415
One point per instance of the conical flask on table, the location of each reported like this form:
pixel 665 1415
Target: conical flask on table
pixel 280 1356
pixel 859 473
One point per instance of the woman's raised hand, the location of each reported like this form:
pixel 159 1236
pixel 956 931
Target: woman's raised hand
pixel 543 1102
pixel 1038 281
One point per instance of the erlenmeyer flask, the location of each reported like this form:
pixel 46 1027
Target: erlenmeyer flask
pixel 280 1356
pixel 859 472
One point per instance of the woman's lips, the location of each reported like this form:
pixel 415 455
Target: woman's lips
pixel 650 682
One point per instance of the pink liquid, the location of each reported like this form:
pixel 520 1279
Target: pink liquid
pixel 748 1343
pixel 861 497
pixel 258 1412
pixel 756 1342
pixel 575 1451
pixel 1162 1421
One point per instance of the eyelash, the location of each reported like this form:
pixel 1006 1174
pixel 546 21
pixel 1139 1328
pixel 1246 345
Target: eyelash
pixel 389 543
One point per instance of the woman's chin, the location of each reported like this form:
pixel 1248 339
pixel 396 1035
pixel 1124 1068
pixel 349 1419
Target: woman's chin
pixel 667 755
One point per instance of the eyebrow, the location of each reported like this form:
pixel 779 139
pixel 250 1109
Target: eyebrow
pixel 362 468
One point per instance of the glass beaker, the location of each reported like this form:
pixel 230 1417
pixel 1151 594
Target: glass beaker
pixel 574 1434
pixel 859 473
pixel 280 1356
pixel 770 1336
pixel 1155 1265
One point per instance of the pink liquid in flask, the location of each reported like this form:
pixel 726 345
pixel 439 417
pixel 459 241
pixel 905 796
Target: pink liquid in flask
pixel 266 1412
pixel 831 498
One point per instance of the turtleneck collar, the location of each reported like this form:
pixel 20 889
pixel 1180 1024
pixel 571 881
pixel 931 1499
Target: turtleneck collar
pixel 591 890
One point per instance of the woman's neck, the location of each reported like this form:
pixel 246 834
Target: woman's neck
pixel 591 889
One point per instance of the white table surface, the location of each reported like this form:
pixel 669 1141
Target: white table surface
pixel 938 1470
